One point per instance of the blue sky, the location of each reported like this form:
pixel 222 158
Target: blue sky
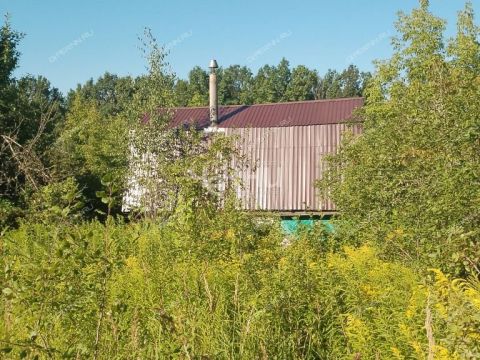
pixel 69 42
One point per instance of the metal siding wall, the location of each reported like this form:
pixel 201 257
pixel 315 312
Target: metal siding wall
pixel 283 165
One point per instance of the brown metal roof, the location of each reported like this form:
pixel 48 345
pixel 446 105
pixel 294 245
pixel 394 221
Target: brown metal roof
pixel 302 113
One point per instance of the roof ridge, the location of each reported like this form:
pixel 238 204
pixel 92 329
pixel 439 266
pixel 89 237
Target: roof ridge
pixel 277 103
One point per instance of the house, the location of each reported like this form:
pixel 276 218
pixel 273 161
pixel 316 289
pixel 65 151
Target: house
pixel 285 144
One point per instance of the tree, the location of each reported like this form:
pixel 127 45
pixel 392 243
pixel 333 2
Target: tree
pixel 111 93
pixel 263 91
pixel 350 82
pixel 182 93
pixel 353 82
pixel 93 142
pixel 30 113
pixel 198 87
pixel 271 83
pixel 30 128
pixel 410 183
pixel 365 77
pixel 303 84
pixel 330 86
pixel 235 85
pixel 91 146
pixel 9 54
pixel 283 77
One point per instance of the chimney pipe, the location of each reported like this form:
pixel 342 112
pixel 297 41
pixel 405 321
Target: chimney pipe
pixel 213 94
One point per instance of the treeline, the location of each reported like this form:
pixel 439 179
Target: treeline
pixel 280 83
pixel 236 86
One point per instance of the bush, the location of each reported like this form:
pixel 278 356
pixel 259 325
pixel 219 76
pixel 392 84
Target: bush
pixel 9 214
pixel 60 201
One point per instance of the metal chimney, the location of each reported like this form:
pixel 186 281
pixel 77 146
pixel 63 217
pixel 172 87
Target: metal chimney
pixel 213 93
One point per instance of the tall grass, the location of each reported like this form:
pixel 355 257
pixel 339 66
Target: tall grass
pixel 222 289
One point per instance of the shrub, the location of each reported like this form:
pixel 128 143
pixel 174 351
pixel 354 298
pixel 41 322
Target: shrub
pixel 60 201
pixel 9 214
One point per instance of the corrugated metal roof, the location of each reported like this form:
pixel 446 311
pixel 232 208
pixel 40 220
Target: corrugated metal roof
pixel 301 113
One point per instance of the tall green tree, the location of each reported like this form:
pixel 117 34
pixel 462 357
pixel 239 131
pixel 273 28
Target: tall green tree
pixel 9 57
pixel 411 181
pixel 271 83
pixel 198 87
pixel 330 85
pixel 42 109
pixel 30 112
pixel 263 90
pixel 350 82
pixel 182 94
pixel 93 143
pixel 283 76
pixel 235 86
pixel 303 84
pixel 9 53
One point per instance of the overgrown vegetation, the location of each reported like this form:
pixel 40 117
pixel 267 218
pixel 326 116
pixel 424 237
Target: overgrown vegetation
pixel 411 182
pixel 220 288
pixel 197 278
